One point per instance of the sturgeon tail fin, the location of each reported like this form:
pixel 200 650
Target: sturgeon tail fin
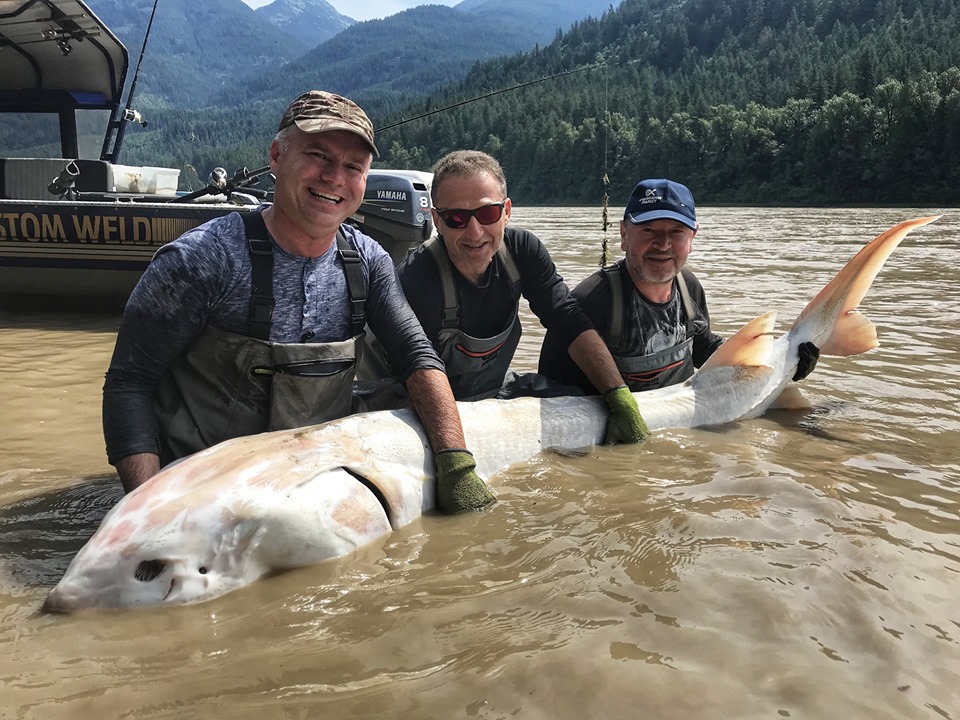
pixel 831 320
pixel 748 347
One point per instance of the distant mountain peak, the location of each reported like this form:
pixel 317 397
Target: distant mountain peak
pixel 310 21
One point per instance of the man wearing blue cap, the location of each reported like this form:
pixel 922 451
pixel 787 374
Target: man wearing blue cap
pixel 650 310
pixel 465 287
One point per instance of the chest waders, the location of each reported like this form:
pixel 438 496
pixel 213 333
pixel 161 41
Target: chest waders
pixel 660 369
pixel 475 366
pixel 227 385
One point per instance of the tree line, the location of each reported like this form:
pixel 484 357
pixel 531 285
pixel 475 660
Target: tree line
pixel 747 101
pixel 814 102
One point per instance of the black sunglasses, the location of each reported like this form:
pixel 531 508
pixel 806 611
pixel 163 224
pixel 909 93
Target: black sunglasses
pixel 457 219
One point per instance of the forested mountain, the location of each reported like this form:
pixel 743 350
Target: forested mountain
pixel 222 52
pixel 747 101
pixel 540 20
pixel 309 21
pixel 382 64
pixel 196 48
pixel 752 101
pixel 244 80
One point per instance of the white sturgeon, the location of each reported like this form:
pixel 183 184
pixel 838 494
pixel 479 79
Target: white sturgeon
pixel 231 514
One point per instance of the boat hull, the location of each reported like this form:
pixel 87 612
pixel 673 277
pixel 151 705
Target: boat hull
pixel 99 249
pixel 88 249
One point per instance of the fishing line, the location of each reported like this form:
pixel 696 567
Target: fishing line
pixel 606 175
pixel 490 94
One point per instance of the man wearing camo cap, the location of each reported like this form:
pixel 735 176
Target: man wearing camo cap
pixel 252 322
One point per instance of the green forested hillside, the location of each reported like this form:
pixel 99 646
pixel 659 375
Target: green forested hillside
pixel 747 101
pixel 384 64
pixel 381 63
pixel 751 101
pixel 196 48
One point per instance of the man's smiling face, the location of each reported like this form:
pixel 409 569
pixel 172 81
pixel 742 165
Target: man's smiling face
pixel 471 248
pixel 321 177
pixel 656 250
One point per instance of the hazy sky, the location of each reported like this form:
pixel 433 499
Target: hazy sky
pixel 368 9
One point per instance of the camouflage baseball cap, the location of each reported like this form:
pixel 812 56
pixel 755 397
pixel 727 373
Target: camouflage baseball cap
pixel 319 111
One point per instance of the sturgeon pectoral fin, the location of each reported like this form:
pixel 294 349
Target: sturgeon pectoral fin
pixel 791 399
pixel 852 334
pixel 749 347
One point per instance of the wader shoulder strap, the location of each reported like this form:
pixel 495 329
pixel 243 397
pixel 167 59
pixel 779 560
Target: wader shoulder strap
pixel 509 265
pixel 687 304
pixel 262 302
pixel 261 260
pixel 355 284
pixel 615 329
pixel 451 306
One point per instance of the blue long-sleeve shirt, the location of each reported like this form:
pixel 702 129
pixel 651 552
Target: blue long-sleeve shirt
pixel 204 278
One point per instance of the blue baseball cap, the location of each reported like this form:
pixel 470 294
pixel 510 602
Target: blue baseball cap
pixel 661 199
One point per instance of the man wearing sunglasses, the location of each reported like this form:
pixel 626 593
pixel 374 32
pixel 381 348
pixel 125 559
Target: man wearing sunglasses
pixel 248 324
pixel 465 287
pixel 650 308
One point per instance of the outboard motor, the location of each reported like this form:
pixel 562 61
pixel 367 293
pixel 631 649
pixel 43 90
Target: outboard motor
pixel 396 210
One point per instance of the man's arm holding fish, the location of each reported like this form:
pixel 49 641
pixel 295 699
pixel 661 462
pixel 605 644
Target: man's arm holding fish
pixel 558 310
pixel 157 325
pixel 626 424
pixel 418 367
pixel 459 488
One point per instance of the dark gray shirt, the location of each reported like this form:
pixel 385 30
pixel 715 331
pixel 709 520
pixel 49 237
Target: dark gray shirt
pixel 649 327
pixel 204 277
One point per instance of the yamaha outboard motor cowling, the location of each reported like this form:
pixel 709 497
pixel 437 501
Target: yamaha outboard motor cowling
pixel 396 210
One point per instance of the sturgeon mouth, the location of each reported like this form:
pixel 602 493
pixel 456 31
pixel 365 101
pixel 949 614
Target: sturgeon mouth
pixel 149 570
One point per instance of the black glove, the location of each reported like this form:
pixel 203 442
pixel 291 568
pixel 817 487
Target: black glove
pixel 808 355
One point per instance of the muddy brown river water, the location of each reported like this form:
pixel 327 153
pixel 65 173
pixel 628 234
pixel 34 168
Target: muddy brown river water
pixel 794 566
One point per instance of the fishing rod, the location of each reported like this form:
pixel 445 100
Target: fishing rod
pixel 244 177
pixel 404 121
pixel 604 249
pixel 129 114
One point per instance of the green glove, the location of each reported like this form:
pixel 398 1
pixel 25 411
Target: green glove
pixel 625 424
pixel 808 354
pixel 459 488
